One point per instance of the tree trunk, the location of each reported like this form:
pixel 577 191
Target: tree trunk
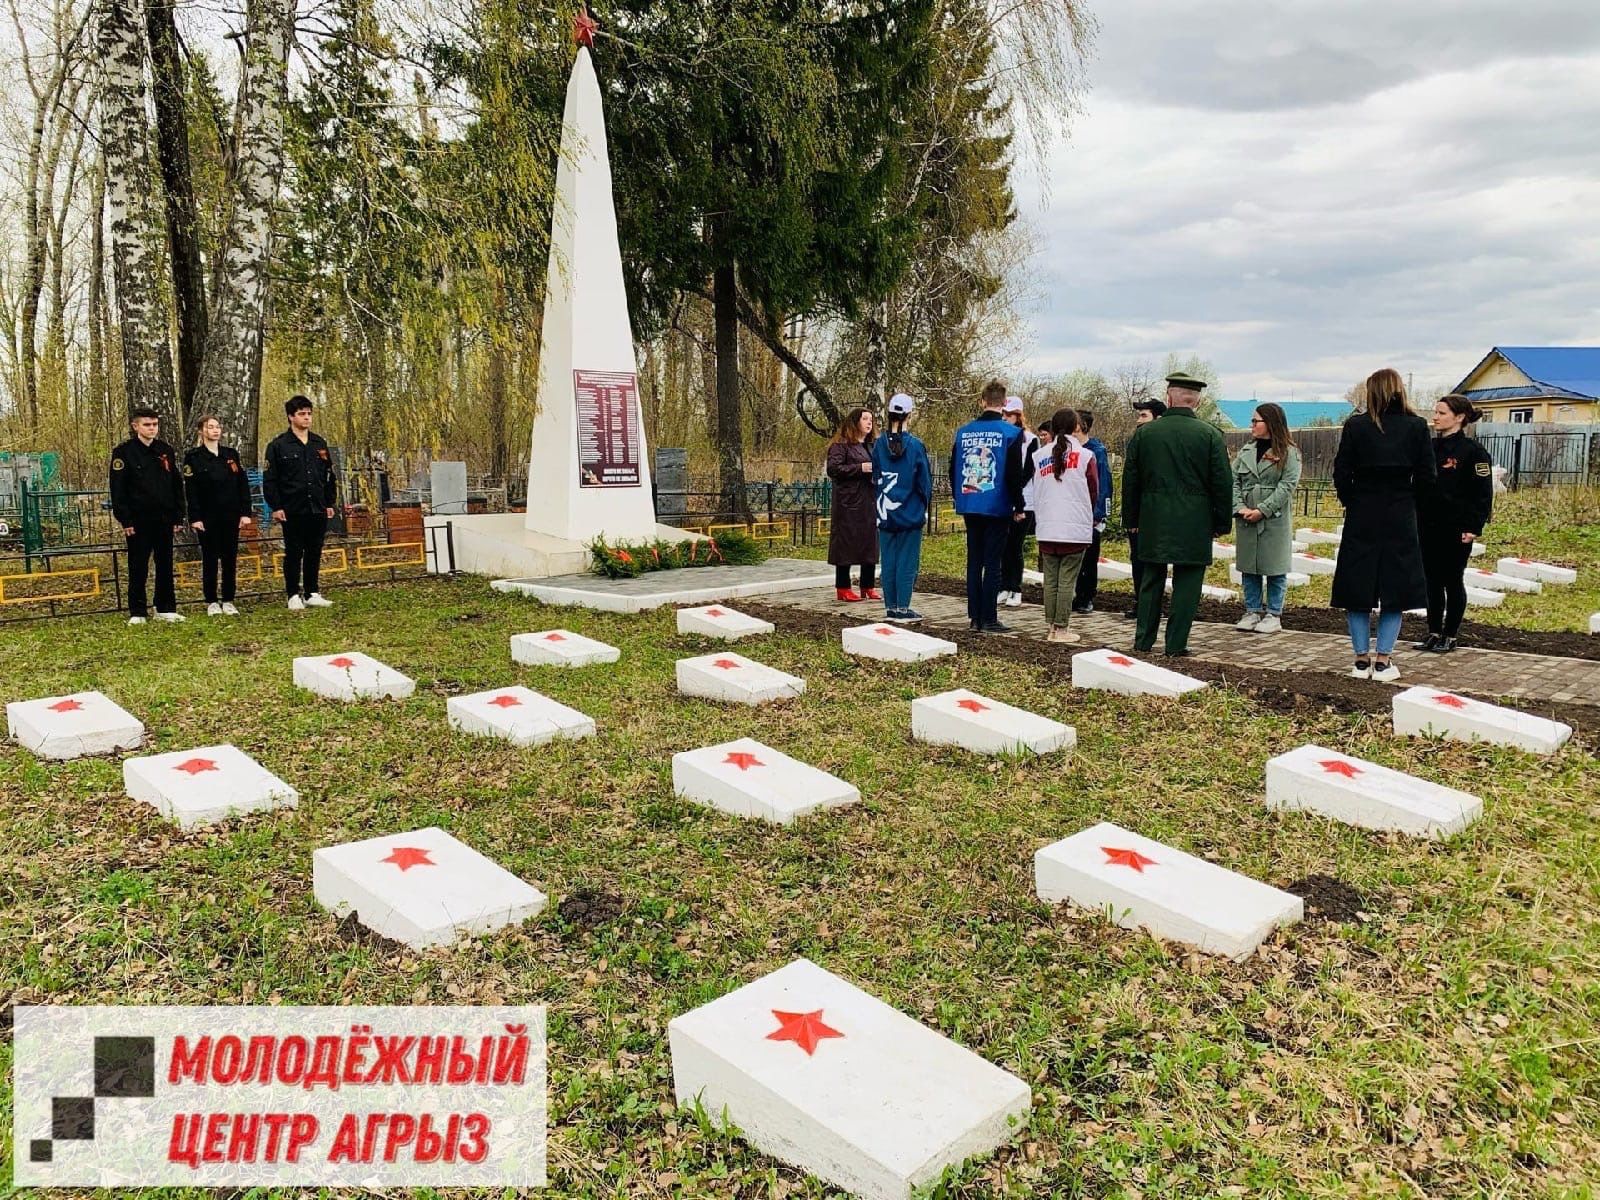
pixel 496 389
pixel 734 499
pixel 177 180
pixel 98 401
pixel 130 206
pixel 227 384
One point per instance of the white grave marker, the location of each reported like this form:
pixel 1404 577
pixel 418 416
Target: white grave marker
pixel 823 1076
pixel 518 715
pixel 748 779
pixel 1481 577
pixel 1031 576
pixel 1318 537
pixel 1291 579
pixel 1311 564
pixel 1594 622
pixel 894 644
pixel 198 787
pixel 1299 544
pixel 1367 795
pixel 1222 550
pixel 72 726
pixel 1112 671
pixel 1110 568
pixel 1527 568
pixel 720 621
pixel 1209 591
pixel 985 726
pixel 560 648
pixel 1425 710
pixel 422 888
pixel 1478 597
pixel 736 679
pixel 351 676
pixel 1170 893
pixel 1477 550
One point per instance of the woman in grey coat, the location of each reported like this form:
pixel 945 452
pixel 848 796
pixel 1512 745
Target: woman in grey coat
pixel 1265 473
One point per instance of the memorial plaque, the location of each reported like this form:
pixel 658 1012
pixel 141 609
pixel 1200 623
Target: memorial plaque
pixel 608 436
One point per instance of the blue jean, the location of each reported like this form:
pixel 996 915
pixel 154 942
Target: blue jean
pixel 1277 588
pixel 1361 631
pixel 986 544
pixel 900 555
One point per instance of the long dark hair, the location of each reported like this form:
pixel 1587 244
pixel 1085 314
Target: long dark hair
pixel 1062 425
pixel 1463 408
pixel 1277 430
pixel 850 428
pixel 1386 393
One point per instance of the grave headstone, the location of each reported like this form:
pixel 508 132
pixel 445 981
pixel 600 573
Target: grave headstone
pixel 1527 568
pixel 985 726
pixel 748 779
pixel 1113 671
pixel 447 495
pixel 1482 577
pixel 733 678
pixel 422 888
pixel 1426 710
pixel 720 621
pixel 198 787
pixel 62 727
pixel 351 676
pixel 560 648
pixel 672 482
pixel 517 715
pixel 1143 883
pixel 894 643
pixel 1365 794
pixel 1311 564
pixel 820 1075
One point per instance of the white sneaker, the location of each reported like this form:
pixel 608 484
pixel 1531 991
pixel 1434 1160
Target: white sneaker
pixel 318 600
pixel 1269 624
pixel 1387 673
pixel 228 610
pixel 213 609
pixel 1248 622
pixel 171 616
pixel 1013 599
pixel 1360 672
pixel 135 620
pixel 296 604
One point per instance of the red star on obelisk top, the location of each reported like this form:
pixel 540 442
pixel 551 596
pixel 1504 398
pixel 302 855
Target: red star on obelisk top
pixel 804 1029
pixel 1337 766
pixel 1450 701
pixel 342 661
pixel 725 664
pixel 554 637
pixel 66 706
pixel 743 759
pixel 195 766
pixel 406 857
pixel 972 706
pixel 583 28
pixel 1127 858
pixel 505 702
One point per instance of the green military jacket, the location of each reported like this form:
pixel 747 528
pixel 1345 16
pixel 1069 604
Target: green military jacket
pixel 1177 489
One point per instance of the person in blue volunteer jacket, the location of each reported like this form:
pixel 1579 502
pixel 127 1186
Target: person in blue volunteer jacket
pixel 903 481
pixel 1089 577
pixel 986 478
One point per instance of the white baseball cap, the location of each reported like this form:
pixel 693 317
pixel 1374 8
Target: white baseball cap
pixel 901 404
pixel 1013 404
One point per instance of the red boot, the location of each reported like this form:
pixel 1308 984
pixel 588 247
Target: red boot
pixel 872 594
pixel 849 595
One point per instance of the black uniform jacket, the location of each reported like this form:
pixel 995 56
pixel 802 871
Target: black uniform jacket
pixel 299 477
pixel 1380 474
pixel 1462 496
pixel 216 485
pixel 146 489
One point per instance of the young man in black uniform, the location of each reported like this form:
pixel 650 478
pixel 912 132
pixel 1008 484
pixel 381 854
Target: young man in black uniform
pixel 147 501
pixel 1451 516
pixel 298 485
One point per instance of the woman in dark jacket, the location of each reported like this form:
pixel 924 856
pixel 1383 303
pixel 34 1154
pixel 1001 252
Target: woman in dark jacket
pixel 218 495
pixel 1383 465
pixel 1451 516
pixel 853 531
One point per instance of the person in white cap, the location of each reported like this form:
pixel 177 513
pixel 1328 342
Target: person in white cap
pixel 1017 533
pixel 903 481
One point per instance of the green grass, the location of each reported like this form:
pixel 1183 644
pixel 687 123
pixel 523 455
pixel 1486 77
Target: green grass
pixel 1442 1045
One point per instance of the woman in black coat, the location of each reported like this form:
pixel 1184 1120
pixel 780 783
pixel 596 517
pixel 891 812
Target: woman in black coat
pixel 853 531
pixel 218 495
pixel 1451 517
pixel 1383 465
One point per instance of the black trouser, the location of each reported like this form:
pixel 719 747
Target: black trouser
pixel 1133 559
pixel 869 576
pixel 1011 562
pixel 148 541
pixel 986 544
pixel 1089 575
pixel 302 551
pixel 1444 562
pixel 219 549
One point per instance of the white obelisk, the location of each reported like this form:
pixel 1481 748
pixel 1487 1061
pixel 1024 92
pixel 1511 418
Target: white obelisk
pixel 589 471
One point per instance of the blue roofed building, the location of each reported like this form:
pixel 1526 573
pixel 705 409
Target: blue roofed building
pixel 1528 384
pixel 1301 414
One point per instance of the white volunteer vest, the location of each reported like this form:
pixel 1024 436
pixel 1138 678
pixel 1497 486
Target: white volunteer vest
pixel 1062 507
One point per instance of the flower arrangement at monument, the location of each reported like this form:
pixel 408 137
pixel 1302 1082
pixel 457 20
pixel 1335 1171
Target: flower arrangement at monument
pixel 625 560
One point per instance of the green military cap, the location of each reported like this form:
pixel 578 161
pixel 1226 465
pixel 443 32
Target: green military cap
pixel 1188 382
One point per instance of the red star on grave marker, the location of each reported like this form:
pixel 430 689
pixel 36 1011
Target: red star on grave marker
pixel 715 612
pixel 725 664
pixel 1127 858
pixel 1118 660
pixel 194 766
pixel 1337 766
pixel 1450 701
pixel 66 706
pixel 406 857
pixel 342 661
pixel 804 1029
pixel 1104 559
pixel 1482 571
pixel 583 28
pixel 554 637
pixel 505 702
pixel 1524 561
pixel 883 631
pixel 972 706
pixel 743 759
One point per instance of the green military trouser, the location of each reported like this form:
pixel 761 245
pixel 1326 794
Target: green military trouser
pixel 1186 584
pixel 1060 580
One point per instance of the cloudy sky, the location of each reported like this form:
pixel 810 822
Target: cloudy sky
pixel 1302 191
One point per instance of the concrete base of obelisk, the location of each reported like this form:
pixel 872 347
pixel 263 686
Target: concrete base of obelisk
pixel 500 546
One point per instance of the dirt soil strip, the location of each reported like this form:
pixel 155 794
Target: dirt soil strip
pixel 1287 692
pixel 1329 620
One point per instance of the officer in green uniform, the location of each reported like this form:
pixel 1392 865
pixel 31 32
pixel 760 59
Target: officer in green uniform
pixel 1177 491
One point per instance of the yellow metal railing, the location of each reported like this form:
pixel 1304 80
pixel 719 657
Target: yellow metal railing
pixel 413 557
pixel 328 561
pixel 92 573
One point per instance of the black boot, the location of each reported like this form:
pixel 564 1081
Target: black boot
pixel 1429 642
pixel 1443 645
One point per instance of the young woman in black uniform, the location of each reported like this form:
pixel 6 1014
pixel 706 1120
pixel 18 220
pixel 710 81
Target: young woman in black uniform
pixel 1451 517
pixel 218 493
